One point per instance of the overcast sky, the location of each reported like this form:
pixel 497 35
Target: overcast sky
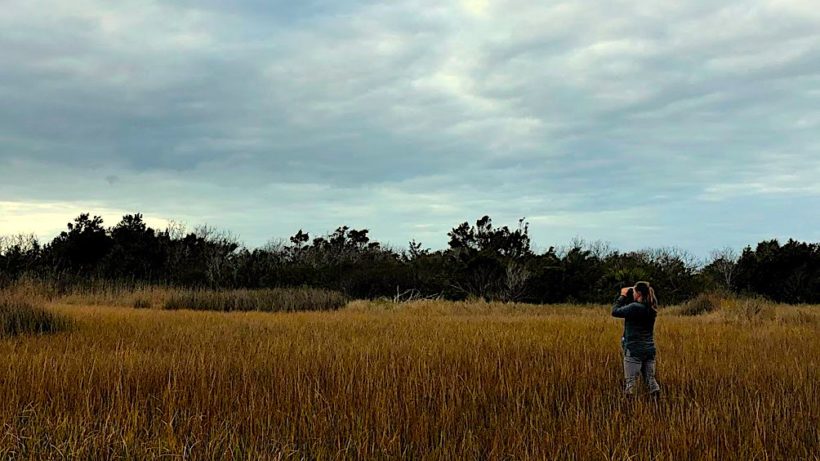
pixel 693 124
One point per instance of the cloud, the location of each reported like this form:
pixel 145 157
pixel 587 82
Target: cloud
pixel 411 116
pixel 48 219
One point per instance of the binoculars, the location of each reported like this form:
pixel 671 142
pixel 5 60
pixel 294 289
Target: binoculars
pixel 629 294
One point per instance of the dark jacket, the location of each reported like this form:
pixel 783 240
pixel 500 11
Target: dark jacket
pixel 639 326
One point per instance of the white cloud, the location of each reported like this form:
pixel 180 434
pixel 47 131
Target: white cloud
pixel 47 219
pixel 264 118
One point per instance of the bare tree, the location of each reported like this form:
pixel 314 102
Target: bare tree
pixel 515 281
pixel 20 242
pixel 724 263
pixel 597 248
pixel 176 230
pixel 221 245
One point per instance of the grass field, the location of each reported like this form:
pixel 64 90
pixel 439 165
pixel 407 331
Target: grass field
pixel 424 380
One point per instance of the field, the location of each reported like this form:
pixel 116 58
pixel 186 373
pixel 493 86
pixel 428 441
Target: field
pixel 421 380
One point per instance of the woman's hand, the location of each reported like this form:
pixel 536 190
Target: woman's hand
pixel 625 291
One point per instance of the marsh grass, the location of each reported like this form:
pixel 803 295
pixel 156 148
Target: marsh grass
pixel 419 380
pixel 749 309
pixel 141 296
pixel 142 303
pixel 19 317
pixel 265 300
pixel 703 303
pixel 741 309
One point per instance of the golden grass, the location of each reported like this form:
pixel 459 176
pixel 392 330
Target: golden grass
pixel 701 304
pixel 267 300
pixel 142 296
pixel 424 380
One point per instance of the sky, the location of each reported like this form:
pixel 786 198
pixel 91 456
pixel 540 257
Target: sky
pixel 691 124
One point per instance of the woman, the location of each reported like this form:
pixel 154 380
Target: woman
pixel 638 306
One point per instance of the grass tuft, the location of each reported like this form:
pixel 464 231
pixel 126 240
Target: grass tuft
pixel 20 317
pixel 142 303
pixel 748 309
pixel 704 303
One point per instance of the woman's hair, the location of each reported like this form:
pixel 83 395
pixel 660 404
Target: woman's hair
pixel 647 294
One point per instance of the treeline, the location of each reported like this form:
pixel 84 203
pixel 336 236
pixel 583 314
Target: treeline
pixel 481 260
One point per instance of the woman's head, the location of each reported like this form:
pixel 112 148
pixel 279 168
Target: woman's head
pixel 646 294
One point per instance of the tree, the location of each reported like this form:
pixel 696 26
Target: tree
pixel 788 273
pixel 581 272
pixel 720 270
pixel 19 254
pixel 81 247
pixel 136 251
pixel 489 262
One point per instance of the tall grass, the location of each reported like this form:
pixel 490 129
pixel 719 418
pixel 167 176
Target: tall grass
pixel 424 380
pixel 723 306
pixel 21 317
pixel 141 296
pixel 703 303
pixel 87 292
pixel 266 300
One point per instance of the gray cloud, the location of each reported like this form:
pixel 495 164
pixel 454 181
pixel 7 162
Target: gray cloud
pixel 694 118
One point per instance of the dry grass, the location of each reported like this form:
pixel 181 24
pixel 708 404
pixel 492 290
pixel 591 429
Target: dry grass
pixel 18 317
pixel 107 293
pixel 268 300
pixel 425 380
pixel 702 304
pixel 746 310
